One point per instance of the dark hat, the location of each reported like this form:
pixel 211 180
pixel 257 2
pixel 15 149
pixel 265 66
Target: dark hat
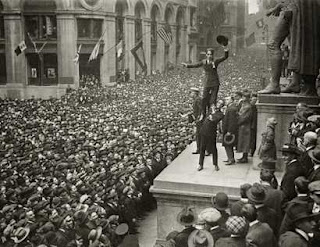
pixel 187 217
pixel 289 148
pixel 222 40
pixel 299 212
pixel 314 154
pixel 201 238
pixel 257 193
pixel 220 201
pixel 229 138
pixel 268 165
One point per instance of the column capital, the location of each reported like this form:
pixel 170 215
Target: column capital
pixel 110 18
pixel 130 17
pixel 147 20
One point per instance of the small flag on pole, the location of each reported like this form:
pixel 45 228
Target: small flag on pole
pixel 260 23
pixel 119 49
pixel 77 56
pixel 165 34
pixel 20 48
pixel 95 52
pixel 251 39
pixel 49 27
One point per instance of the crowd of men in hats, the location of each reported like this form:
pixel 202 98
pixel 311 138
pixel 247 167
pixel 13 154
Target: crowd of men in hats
pixel 268 214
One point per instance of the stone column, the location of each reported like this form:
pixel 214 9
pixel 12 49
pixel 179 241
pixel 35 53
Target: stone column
pixel 173 45
pixel 108 60
pixel 160 50
pixel 68 71
pixel 15 65
pixel 184 50
pixel 146 31
pixel 129 29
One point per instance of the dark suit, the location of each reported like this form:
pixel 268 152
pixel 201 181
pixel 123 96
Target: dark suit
pixel 211 81
pixel 231 242
pixel 196 112
pixel 269 216
pixel 182 238
pixel 244 124
pixel 292 239
pixel 218 232
pixel 306 161
pixel 236 207
pixel 294 169
pixel 260 235
pixel 253 133
pixel 208 134
pixel 229 124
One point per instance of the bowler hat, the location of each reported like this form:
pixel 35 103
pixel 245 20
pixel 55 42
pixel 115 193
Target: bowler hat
pixel 122 229
pixel 257 193
pixel 220 201
pixel 299 212
pixel 222 40
pixel 229 138
pixel 268 165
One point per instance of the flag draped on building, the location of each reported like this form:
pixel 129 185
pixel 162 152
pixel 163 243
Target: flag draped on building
pixel 165 34
pixel 138 53
pixel 20 48
pixel 251 39
pixel 95 52
pixel 119 49
pixel 77 56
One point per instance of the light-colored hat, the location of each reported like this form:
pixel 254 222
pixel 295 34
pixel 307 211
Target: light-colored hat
pixel 20 234
pixel 210 215
pixel 122 229
pixel 314 187
pixel 200 238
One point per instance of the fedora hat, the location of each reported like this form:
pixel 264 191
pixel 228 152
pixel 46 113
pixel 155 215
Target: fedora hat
pixel 200 238
pixel 187 217
pixel 94 235
pixel 222 40
pixel 299 212
pixel 20 234
pixel 257 193
pixel 229 138
pixel 314 154
pixel 269 165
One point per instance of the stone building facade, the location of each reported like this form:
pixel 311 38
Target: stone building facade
pixel 53 31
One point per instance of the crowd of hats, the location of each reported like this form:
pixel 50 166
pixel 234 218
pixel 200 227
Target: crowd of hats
pixel 87 160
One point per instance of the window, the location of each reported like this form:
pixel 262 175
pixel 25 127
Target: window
pixel 41 26
pixel 192 17
pixel 119 28
pixel 42 69
pixel 153 31
pixel 89 28
pixel 138 29
pixel 1 27
pixel 3 72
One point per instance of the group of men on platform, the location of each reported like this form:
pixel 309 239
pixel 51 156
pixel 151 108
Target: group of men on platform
pixel 269 214
pixel 238 128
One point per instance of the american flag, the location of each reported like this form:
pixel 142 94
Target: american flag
pixel 165 34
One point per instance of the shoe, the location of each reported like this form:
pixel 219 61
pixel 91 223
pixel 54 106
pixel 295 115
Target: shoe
pixel 226 161
pixel 196 152
pixel 243 161
pixel 230 163
pixel 200 168
pixel 217 168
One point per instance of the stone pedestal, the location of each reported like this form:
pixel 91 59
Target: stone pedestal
pixel 180 184
pixel 282 107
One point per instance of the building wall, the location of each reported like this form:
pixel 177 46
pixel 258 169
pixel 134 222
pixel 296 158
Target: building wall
pixel 60 27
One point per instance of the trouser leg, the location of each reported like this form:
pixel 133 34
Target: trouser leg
pixel 206 99
pixel 230 153
pixel 202 151
pixel 215 154
pixel 214 95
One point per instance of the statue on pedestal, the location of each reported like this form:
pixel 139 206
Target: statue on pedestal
pixel 300 20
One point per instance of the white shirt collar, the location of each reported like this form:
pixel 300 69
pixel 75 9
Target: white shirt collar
pixel 292 161
pixel 302 233
pixel 245 200
pixel 253 222
pixel 302 195
pixel 265 183
pixel 308 148
pixel 257 206
pixel 315 167
pixel 214 227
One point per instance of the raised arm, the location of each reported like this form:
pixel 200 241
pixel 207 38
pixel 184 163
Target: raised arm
pixel 221 59
pixel 193 65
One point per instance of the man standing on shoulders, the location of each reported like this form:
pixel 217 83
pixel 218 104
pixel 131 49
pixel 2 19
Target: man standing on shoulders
pixel 244 124
pixel 229 128
pixel 211 81
pixel 208 134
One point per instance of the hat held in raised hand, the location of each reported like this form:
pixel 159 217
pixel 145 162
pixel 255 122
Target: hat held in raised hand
pixel 222 40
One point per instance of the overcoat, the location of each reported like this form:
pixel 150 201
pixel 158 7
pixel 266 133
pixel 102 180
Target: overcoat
pixel 244 124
